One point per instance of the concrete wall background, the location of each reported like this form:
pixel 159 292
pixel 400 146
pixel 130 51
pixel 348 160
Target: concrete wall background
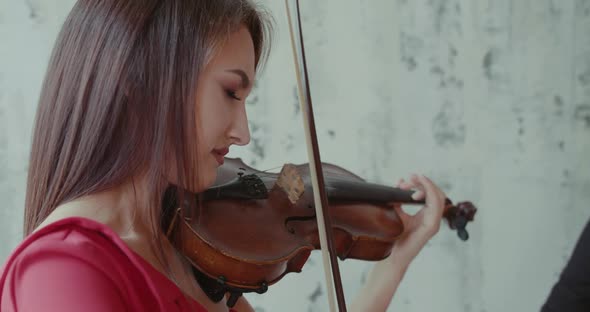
pixel 490 98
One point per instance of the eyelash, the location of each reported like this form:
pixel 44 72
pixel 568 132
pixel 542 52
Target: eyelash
pixel 232 94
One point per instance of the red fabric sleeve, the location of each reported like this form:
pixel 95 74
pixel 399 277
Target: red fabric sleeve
pixel 78 264
pixel 56 281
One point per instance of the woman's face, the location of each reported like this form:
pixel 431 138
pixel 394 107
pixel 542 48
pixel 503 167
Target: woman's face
pixel 222 89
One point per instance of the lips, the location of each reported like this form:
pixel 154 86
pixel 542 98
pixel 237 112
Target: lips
pixel 220 154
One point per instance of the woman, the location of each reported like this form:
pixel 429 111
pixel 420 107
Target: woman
pixel 140 95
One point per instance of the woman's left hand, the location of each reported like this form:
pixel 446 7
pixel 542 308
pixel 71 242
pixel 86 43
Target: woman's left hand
pixel 386 275
pixel 422 226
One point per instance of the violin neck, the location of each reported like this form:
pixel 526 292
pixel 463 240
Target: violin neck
pixel 368 192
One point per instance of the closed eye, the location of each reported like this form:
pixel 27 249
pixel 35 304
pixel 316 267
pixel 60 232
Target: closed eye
pixel 232 94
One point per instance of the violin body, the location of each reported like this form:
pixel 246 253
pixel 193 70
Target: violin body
pixel 254 227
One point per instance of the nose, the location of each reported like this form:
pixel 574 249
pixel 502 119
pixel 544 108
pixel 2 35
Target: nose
pixel 239 131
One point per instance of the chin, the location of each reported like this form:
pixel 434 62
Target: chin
pixel 208 178
pixel 204 184
pixel 205 180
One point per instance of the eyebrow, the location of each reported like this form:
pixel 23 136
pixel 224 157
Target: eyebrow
pixel 243 75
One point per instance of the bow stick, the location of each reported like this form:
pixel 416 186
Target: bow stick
pixel 317 177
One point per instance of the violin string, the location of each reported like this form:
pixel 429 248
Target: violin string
pixel 267 170
pixel 266 174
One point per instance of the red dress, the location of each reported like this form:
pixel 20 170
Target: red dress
pixel 77 264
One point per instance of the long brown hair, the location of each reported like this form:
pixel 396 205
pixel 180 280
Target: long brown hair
pixel 119 94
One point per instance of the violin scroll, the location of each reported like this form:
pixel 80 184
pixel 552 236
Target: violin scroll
pixel 459 215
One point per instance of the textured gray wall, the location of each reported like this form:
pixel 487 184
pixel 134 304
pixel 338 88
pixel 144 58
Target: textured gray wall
pixel 491 98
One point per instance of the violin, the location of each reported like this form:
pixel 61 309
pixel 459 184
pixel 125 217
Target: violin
pixel 254 227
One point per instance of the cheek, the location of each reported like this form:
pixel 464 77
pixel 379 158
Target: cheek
pixel 213 118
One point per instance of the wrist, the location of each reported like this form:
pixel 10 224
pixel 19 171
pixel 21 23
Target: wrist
pixel 381 285
pixel 404 251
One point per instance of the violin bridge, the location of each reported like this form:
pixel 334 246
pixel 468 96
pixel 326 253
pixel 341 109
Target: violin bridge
pixel 291 182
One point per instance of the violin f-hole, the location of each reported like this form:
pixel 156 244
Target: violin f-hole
pixel 297 219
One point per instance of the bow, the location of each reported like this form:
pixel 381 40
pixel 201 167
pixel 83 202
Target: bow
pixel 317 176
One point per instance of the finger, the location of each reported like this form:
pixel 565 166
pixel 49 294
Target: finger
pixel 401 213
pixel 418 195
pixel 395 205
pixel 412 181
pixel 416 183
pixel 438 189
pixel 399 183
pixel 406 185
pixel 434 207
pixel 434 192
pixel 426 184
pixel 416 179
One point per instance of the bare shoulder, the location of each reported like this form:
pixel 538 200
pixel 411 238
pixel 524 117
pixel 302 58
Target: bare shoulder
pixel 86 210
pixel 114 216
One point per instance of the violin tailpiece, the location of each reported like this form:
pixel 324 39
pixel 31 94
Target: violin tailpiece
pixel 291 183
